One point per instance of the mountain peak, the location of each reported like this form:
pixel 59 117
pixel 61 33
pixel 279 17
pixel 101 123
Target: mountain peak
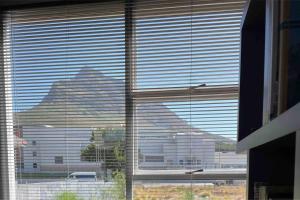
pixel 87 70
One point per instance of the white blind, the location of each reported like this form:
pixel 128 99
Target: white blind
pixel 67 70
pixel 186 85
pixel 67 73
pixel 185 96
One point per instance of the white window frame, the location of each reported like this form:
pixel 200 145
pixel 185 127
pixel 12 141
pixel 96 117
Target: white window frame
pixel 7 162
pixel 7 191
pixel 168 94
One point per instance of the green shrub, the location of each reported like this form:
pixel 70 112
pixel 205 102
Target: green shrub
pixel 120 185
pixel 188 195
pixel 67 196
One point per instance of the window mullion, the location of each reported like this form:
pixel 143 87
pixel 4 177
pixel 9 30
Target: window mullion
pixel 201 93
pixel 212 175
pixel 129 84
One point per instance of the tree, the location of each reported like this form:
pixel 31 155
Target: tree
pixel 107 145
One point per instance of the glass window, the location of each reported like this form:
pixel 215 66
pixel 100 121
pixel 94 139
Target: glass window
pixel 154 159
pixel 72 98
pixel 185 98
pixel 68 97
pixel 58 160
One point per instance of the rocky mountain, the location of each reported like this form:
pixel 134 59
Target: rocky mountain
pixel 92 99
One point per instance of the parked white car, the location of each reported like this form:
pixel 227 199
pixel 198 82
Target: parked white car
pixel 83 176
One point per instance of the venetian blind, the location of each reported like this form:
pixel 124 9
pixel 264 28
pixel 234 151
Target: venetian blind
pixel 185 86
pixel 185 94
pixel 65 75
pixel 66 104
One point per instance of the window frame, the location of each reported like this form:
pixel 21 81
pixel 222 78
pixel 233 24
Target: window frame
pixel 7 171
pixel 135 94
pixel 34 165
pixel 131 95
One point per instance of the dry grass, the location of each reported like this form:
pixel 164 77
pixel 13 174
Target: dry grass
pixel 199 192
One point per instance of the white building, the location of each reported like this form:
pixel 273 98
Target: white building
pixel 230 160
pixel 180 150
pixel 52 149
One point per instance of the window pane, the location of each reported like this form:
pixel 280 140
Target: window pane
pixel 187 43
pixel 58 160
pixel 187 134
pixel 68 76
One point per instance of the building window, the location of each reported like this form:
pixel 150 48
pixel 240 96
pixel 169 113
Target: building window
pixel 189 162
pixel 154 159
pixel 34 154
pixel 198 162
pixel 58 160
pixel 33 142
pixel 181 162
pixel 34 165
